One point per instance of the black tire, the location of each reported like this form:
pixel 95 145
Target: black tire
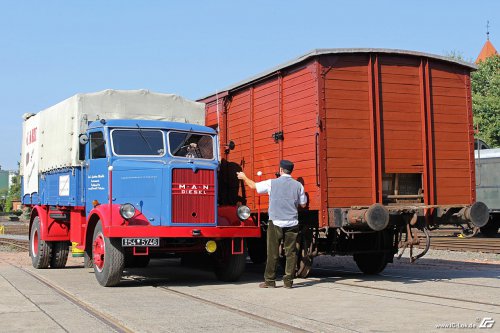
pixel 491 228
pixel 257 249
pixel 228 267
pixel 109 259
pixel 87 259
pixel 60 251
pixel 132 261
pixel 40 251
pixel 371 263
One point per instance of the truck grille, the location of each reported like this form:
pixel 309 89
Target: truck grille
pixel 193 196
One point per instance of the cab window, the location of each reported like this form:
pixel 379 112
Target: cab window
pixel 97 145
pixel 191 145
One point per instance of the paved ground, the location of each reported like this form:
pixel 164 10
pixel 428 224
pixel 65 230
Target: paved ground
pixel 169 297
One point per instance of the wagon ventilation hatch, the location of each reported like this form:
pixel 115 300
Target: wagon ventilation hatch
pixel 402 188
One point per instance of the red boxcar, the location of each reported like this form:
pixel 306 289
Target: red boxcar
pixel 381 139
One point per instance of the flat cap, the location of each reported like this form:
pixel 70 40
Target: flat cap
pixel 287 165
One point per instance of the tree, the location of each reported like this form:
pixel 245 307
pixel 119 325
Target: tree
pixel 14 192
pixel 485 84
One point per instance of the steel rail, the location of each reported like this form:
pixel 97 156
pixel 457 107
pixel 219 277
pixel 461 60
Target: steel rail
pixel 103 318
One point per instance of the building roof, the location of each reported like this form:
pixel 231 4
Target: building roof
pixel 318 52
pixel 487 51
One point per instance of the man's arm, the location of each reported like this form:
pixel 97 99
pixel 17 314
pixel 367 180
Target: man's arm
pixel 241 176
pixel 302 198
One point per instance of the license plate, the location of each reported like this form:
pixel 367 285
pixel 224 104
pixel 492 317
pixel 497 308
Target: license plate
pixel 153 242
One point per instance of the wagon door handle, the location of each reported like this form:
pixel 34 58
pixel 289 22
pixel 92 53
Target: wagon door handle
pixel 316 144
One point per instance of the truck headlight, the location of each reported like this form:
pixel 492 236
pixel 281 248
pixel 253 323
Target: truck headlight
pixel 243 212
pixel 127 211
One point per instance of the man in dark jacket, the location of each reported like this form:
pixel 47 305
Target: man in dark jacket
pixel 285 195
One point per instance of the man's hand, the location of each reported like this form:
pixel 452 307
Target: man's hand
pixel 241 176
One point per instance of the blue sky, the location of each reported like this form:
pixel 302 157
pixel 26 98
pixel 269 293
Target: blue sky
pixel 51 50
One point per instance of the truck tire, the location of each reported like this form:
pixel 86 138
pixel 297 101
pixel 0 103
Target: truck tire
pixel 132 261
pixel 228 267
pixel 108 257
pixel 257 250
pixel 60 252
pixel 491 228
pixel 40 250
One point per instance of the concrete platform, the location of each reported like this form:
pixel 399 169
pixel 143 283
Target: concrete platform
pixel 169 297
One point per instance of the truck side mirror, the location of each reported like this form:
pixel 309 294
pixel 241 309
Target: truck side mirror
pixel 82 139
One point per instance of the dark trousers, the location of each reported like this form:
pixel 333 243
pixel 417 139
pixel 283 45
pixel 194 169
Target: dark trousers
pixel 274 236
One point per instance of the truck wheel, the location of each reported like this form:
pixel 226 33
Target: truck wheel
pixel 257 250
pixel 228 267
pixel 60 252
pixel 491 228
pixel 371 263
pixel 132 261
pixel 108 258
pixel 40 250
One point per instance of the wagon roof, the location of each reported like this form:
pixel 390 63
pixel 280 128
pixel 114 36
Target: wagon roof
pixel 318 52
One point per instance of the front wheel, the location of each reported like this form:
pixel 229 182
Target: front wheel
pixel 108 257
pixel 228 267
pixel 40 250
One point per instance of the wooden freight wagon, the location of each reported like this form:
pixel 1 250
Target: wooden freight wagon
pixel 381 139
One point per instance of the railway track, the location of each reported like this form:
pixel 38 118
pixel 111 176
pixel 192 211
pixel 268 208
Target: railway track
pixel 441 239
pixel 19 245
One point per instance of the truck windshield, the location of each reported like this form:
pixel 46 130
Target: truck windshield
pixel 138 142
pixel 191 145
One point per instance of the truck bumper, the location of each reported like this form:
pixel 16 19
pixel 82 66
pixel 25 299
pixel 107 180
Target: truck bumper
pixel 182 232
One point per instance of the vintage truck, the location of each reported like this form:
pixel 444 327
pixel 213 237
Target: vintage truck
pixel 122 176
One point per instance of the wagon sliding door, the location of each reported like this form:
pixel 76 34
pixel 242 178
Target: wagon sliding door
pixel 375 129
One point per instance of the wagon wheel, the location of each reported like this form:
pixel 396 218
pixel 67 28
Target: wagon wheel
pixel 305 245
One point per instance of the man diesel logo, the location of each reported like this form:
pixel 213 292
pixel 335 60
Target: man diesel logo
pixel 193 189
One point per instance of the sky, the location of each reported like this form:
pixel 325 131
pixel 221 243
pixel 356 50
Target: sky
pixel 52 50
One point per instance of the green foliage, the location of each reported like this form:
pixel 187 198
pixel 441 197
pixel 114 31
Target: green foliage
pixel 14 193
pixel 486 100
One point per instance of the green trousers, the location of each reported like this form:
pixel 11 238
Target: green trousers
pixel 274 236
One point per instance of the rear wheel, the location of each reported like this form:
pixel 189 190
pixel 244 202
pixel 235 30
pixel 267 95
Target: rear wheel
pixel 491 228
pixel 228 267
pixel 108 257
pixel 40 250
pixel 60 252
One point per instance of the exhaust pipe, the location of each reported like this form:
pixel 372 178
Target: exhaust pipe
pixel 376 217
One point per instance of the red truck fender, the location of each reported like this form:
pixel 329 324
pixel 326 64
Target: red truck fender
pixel 50 229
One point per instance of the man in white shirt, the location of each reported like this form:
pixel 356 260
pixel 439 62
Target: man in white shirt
pixel 285 195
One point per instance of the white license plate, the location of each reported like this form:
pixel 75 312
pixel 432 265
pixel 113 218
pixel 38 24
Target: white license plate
pixel 152 242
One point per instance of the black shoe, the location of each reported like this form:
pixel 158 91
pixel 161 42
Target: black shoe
pixel 267 285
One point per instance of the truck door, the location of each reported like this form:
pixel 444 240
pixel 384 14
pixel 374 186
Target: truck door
pixel 96 182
